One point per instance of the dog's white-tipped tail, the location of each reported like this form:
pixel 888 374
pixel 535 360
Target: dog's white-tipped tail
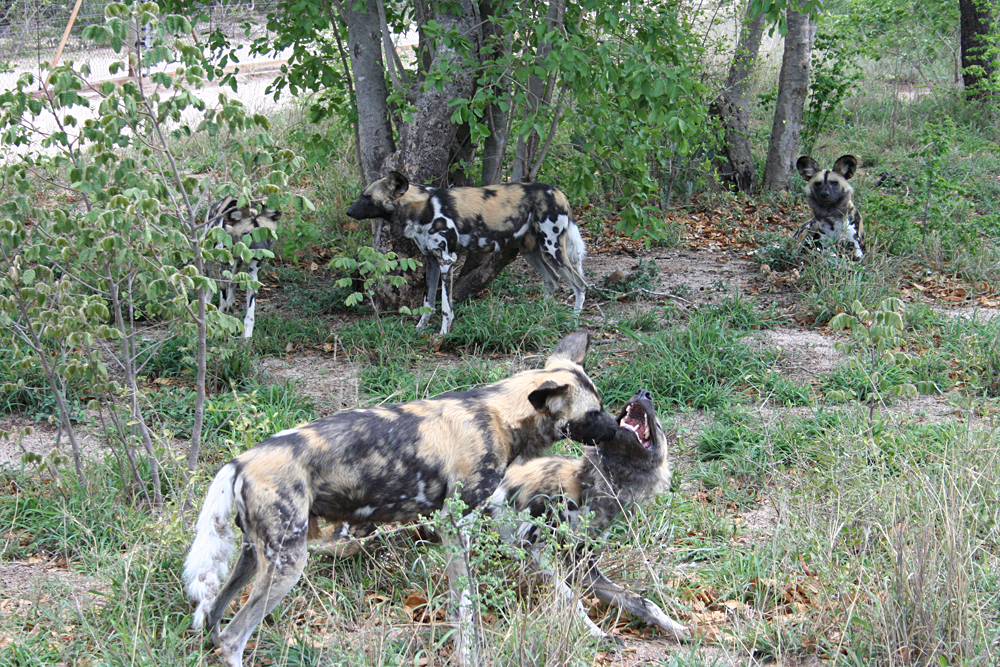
pixel 207 564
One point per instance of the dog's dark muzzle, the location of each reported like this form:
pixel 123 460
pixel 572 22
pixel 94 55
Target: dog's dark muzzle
pixel 595 426
pixel 365 209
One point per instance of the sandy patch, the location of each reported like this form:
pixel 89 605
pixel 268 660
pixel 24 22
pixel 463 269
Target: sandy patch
pixel 332 382
pixel 805 352
pixel 45 438
pixel 26 585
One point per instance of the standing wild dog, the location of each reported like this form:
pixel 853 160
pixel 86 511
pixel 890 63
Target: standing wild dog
pixel 446 221
pixel 613 477
pixel 238 222
pixel 382 464
pixel 830 197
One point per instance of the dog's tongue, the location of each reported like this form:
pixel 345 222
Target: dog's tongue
pixel 636 421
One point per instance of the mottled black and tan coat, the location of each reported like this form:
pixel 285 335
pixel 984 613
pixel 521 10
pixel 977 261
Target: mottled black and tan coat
pixel 239 223
pixel 611 478
pixel 835 219
pixel 387 463
pixel 444 222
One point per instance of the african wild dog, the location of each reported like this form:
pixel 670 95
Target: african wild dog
pixel 446 221
pixel 388 463
pixel 239 222
pixel 830 197
pixel 612 477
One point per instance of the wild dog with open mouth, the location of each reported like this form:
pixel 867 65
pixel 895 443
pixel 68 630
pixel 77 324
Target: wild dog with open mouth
pixel 446 221
pixel 381 464
pixel 239 222
pixel 830 197
pixel 610 478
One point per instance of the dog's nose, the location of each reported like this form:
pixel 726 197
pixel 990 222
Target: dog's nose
pixel 645 393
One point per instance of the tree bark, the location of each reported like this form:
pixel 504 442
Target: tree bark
pixel 793 86
pixel 364 38
pixel 732 105
pixel 431 141
pixel 497 120
pixel 978 21
pixel 426 147
pixel 539 94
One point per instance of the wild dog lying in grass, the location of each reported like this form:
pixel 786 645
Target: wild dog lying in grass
pixel 382 464
pixel 610 478
pixel 239 222
pixel 830 197
pixel 446 221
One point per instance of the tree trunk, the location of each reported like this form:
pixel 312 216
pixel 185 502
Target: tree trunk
pixel 364 38
pixel 793 86
pixel 539 94
pixel 978 64
pixel 497 120
pixel 425 150
pixel 429 143
pixel 732 106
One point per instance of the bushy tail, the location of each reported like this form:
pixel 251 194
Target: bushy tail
pixel 207 564
pixel 575 249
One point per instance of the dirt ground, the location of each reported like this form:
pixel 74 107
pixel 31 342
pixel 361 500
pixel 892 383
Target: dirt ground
pixel 686 277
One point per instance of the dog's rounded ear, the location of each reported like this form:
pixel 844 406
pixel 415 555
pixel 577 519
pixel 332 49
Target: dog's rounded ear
pixel 846 165
pixel 546 391
pixel 806 167
pixel 397 184
pixel 573 347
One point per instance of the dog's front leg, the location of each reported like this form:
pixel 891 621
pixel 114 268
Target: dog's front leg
pixel 542 566
pixel 447 315
pixel 637 605
pixel 455 536
pixel 430 296
pixel 250 317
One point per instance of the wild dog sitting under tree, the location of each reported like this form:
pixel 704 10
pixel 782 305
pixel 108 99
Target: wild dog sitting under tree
pixel 383 464
pixel 446 221
pixel 611 478
pixel 835 219
pixel 239 222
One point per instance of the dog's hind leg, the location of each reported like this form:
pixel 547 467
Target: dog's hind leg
pixel 246 568
pixel 542 567
pixel 430 295
pixel 644 608
pixel 538 263
pixel 281 554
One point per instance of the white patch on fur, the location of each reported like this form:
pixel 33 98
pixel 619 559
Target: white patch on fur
pixel 207 563
pixel 287 431
pixel 421 497
pixel 364 512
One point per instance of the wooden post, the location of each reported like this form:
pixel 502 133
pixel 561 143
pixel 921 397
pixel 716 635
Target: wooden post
pixel 69 26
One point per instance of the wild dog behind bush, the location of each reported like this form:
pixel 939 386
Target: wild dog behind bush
pixel 830 197
pixel 446 221
pixel 613 477
pixel 239 222
pixel 388 463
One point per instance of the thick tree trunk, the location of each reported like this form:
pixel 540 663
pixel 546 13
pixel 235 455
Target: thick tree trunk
pixel 425 150
pixel 430 142
pixel 539 94
pixel 793 86
pixel 364 38
pixel 732 106
pixel 979 19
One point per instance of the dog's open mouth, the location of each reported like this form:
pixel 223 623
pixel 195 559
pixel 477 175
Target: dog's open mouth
pixel 637 421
